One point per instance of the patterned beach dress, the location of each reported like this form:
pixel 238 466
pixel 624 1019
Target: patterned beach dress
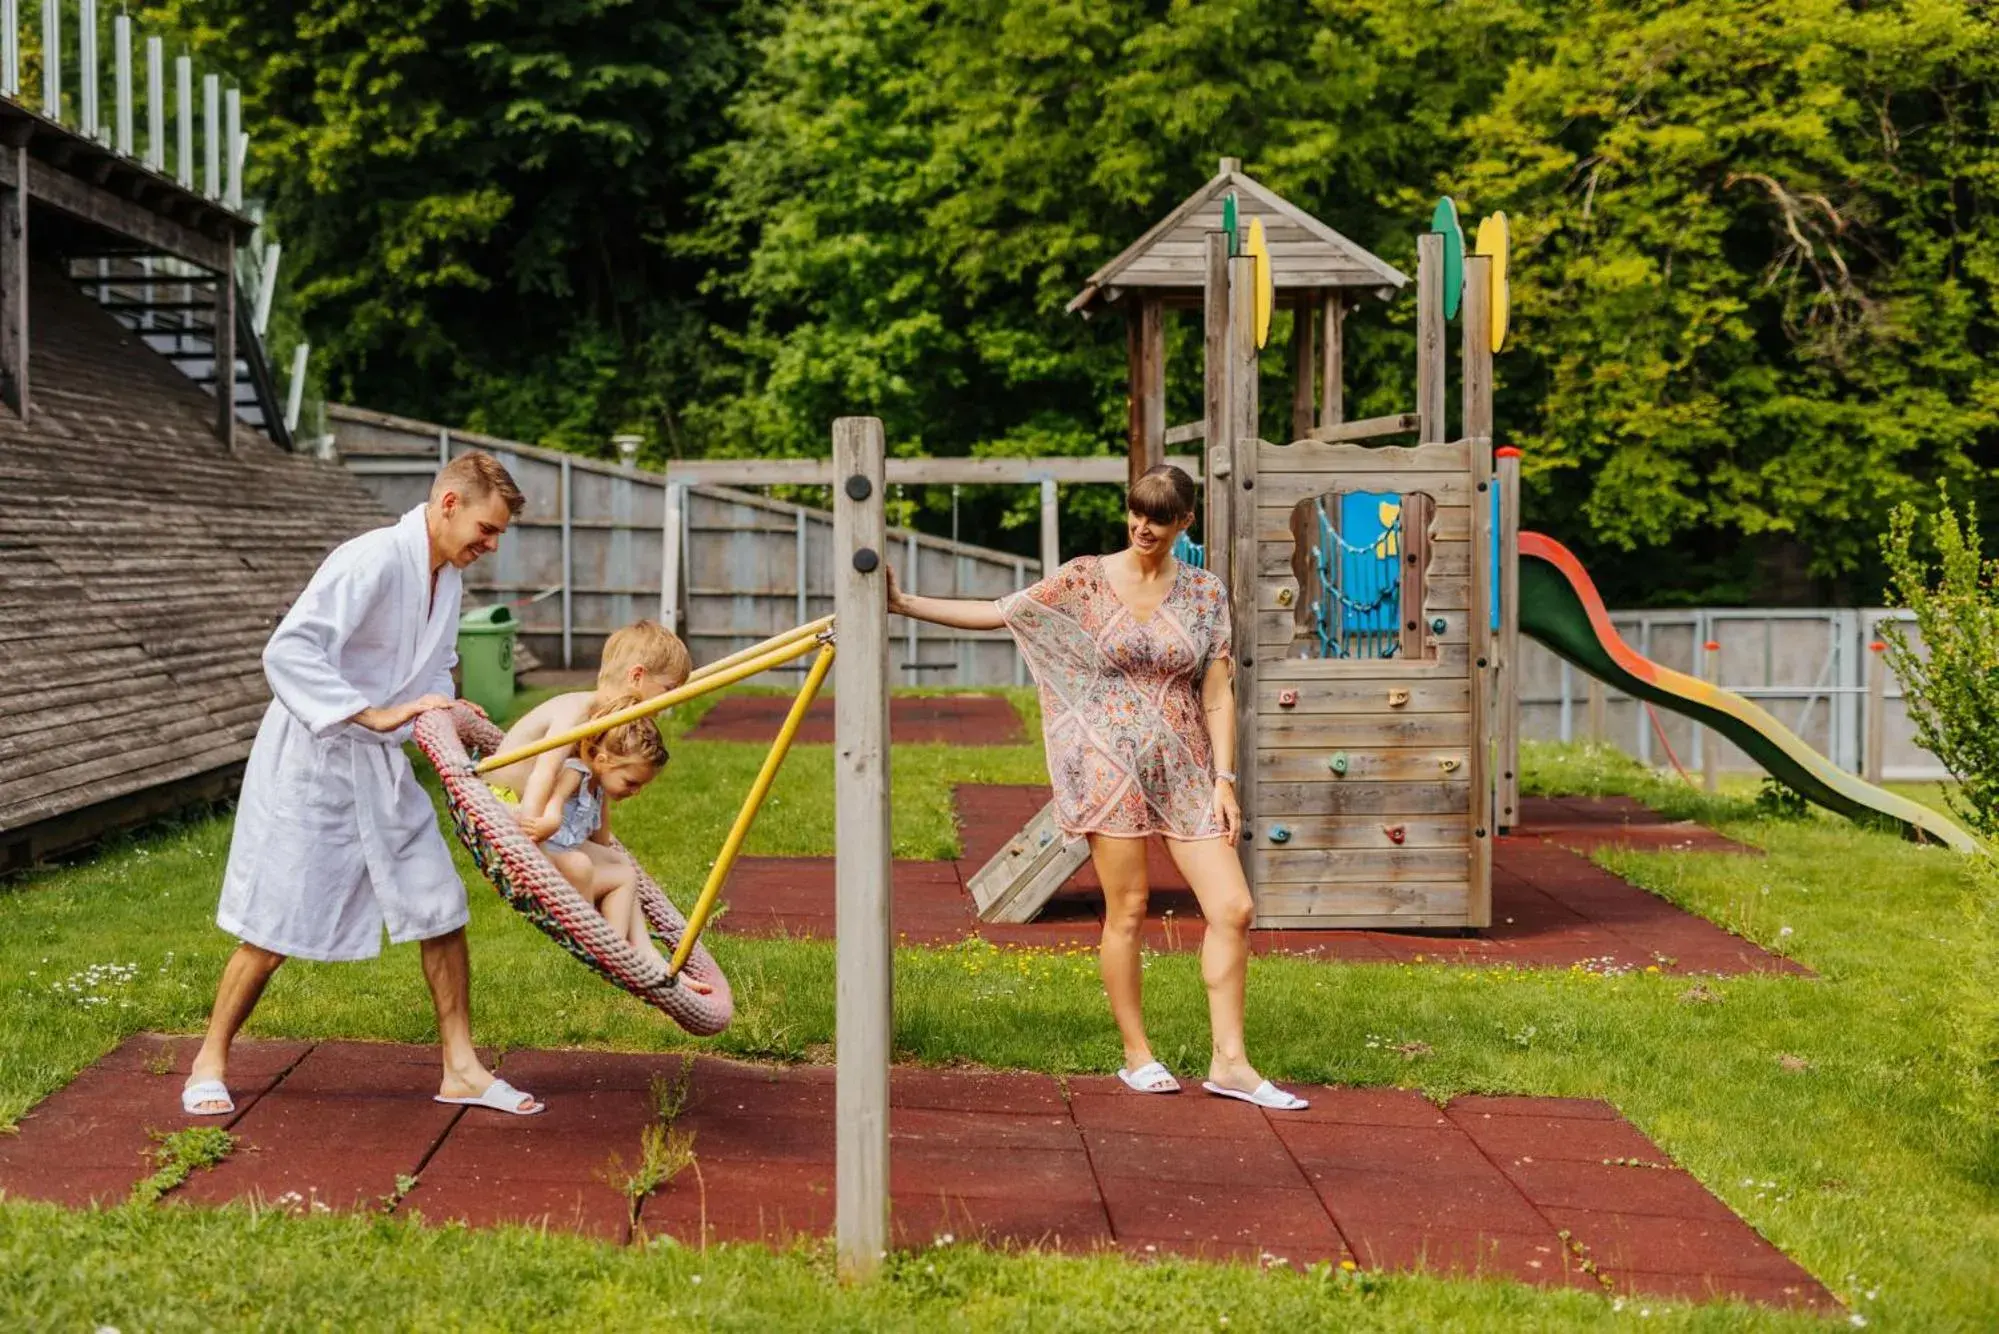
pixel 1128 746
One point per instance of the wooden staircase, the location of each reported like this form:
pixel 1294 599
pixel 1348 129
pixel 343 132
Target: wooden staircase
pixel 170 305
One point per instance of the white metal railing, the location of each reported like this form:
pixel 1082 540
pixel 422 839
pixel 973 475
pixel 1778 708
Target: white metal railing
pixel 77 102
pixel 207 153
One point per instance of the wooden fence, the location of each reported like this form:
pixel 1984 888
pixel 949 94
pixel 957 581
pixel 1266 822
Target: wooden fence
pixel 602 545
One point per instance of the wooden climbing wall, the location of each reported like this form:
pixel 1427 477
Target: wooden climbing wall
pixel 1367 766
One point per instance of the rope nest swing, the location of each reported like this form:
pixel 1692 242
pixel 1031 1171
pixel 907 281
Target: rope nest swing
pixel 454 740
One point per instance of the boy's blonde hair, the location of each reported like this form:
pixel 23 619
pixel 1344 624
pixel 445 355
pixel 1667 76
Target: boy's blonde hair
pixel 636 740
pixel 646 644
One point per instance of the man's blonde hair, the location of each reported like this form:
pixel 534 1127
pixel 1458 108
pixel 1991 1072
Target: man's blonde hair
pixel 646 644
pixel 475 476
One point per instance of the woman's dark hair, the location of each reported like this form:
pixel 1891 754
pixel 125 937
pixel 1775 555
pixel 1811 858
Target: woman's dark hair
pixel 1163 494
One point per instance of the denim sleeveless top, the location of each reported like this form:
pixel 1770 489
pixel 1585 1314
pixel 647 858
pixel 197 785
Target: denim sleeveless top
pixel 582 813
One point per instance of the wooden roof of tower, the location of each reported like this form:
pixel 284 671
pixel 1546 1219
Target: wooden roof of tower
pixel 1304 252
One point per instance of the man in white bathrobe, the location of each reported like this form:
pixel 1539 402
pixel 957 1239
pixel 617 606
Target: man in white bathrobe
pixel 335 840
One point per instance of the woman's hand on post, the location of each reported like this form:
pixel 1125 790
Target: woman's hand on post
pixel 895 599
pixel 1228 812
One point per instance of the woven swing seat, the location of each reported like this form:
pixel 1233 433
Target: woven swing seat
pixel 454 739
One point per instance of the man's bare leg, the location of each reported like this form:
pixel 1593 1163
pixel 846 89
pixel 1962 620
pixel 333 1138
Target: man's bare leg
pixel 447 966
pixel 242 984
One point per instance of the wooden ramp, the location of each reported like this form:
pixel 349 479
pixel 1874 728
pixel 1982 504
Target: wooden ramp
pixel 1023 875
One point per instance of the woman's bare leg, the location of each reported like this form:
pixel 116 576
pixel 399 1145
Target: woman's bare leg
pixel 1120 864
pixel 1215 875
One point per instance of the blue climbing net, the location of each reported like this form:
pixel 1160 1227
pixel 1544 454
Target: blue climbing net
pixel 1358 608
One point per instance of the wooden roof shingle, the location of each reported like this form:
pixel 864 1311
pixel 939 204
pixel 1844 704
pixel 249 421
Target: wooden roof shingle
pixel 1304 252
pixel 143 566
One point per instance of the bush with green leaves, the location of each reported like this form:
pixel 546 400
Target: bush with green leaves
pixel 1951 683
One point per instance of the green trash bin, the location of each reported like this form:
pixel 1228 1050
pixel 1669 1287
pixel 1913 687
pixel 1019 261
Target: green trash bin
pixel 486 657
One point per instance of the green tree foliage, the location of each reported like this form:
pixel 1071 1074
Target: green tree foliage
pixel 1755 253
pixel 1755 240
pixel 913 194
pixel 475 195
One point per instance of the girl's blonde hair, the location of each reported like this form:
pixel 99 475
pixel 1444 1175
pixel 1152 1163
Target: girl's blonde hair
pixel 638 740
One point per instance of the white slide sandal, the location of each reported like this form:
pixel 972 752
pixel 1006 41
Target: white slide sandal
pixel 208 1090
pixel 1266 1095
pixel 500 1096
pixel 1151 1078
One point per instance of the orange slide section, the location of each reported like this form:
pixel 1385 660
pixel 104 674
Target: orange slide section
pixel 1560 607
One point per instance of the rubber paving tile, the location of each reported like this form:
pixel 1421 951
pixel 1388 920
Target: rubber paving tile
pixel 1652 1244
pixel 1475 1200
pixel 959 720
pixel 92 1140
pixel 1552 907
pixel 593 1208
pixel 1532 1257
pixel 1272 1218
pixel 1485 1185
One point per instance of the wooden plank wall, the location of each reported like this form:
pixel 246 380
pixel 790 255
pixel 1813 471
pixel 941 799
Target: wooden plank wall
pixel 739 567
pixel 1403 728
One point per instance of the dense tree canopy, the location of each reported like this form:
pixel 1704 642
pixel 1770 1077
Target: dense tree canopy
pixel 478 198
pixel 1755 241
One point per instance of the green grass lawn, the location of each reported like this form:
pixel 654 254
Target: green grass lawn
pixel 1820 1109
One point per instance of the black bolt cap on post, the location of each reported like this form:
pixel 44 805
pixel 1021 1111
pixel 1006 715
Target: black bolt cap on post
pixel 859 488
pixel 865 560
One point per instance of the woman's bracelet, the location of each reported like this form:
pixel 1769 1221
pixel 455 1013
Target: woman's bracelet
pixel 1225 775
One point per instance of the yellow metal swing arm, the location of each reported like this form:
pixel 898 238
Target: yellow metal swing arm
pixel 704 906
pixel 738 666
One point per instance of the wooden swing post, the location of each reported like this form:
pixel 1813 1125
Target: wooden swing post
pixel 865 946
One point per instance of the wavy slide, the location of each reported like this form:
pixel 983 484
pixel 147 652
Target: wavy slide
pixel 1559 606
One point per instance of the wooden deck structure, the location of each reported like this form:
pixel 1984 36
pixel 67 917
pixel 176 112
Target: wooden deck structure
pixel 1318 273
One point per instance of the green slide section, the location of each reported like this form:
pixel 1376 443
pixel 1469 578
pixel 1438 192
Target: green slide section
pixel 1560 607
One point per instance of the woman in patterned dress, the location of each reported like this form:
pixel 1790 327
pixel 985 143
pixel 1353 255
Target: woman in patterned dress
pixel 1132 653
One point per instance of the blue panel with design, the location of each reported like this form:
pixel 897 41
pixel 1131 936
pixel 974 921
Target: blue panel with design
pixel 1358 570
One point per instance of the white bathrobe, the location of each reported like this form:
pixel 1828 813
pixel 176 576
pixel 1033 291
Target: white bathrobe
pixel 335 839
